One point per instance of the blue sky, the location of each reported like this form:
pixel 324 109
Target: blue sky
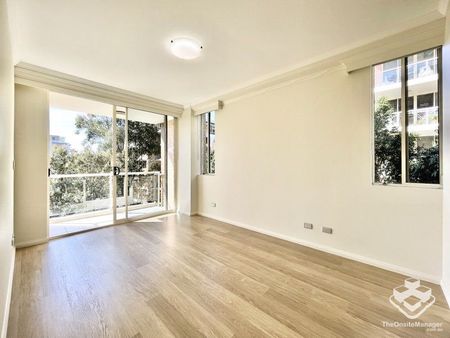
pixel 62 123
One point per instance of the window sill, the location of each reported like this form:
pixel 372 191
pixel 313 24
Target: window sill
pixel 409 185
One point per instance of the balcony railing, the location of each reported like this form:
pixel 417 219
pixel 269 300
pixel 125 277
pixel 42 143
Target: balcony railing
pixel 72 194
pixel 419 120
pixel 390 76
pixel 422 68
pixel 416 70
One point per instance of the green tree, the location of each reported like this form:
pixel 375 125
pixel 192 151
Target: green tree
pixel 387 143
pixel 423 161
pixel 423 154
pixel 144 144
pixel 144 152
pixel 65 194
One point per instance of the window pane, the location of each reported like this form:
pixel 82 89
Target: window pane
pixel 80 156
pixel 212 136
pixel 425 100
pixel 394 104
pixel 390 76
pixel 428 54
pixel 171 129
pixel 388 73
pixel 147 162
pixel 422 64
pixel 387 126
pixel 391 64
pixel 423 123
pixel 410 103
pixel 204 127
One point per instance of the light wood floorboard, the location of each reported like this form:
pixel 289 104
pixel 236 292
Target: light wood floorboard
pixel 181 276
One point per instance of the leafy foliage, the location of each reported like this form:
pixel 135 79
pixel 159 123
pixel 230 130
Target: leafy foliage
pixel 423 160
pixel 69 195
pixel 387 145
pixel 143 140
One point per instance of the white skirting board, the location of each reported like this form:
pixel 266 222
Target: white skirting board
pixel 190 214
pixel 31 243
pixel 8 296
pixel 366 260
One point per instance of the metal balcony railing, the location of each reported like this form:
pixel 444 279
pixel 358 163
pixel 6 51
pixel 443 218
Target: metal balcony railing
pixel 72 194
pixel 423 119
pixel 416 70
pixel 422 68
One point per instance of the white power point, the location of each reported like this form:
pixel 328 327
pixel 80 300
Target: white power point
pixel 213 204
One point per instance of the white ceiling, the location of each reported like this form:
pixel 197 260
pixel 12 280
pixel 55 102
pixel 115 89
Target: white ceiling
pixel 124 43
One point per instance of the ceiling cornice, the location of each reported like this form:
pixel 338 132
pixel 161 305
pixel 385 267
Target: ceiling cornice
pixel 407 42
pixel 419 37
pixel 35 76
pixel 443 6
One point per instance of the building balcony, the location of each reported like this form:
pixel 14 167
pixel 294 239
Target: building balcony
pixel 423 122
pixel 422 78
pixel 83 201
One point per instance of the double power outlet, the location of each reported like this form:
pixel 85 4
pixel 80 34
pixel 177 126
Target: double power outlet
pixel 326 230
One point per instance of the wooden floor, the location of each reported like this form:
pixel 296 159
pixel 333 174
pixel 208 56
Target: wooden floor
pixel 194 277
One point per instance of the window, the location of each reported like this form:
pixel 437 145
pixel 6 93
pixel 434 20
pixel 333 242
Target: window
pixel 425 100
pixel 406 146
pixel 422 64
pixel 396 104
pixel 391 72
pixel 410 103
pixel 208 140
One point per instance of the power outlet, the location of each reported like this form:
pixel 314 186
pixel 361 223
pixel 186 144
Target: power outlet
pixel 308 226
pixel 327 230
pixel 213 204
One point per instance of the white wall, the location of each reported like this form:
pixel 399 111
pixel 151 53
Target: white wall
pixel 30 180
pixel 187 156
pixel 302 153
pixel 446 147
pixel 6 166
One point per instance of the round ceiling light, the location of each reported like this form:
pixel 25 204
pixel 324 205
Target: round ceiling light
pixel 185 48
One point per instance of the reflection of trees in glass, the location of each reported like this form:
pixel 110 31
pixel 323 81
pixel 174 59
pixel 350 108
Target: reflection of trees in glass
pixel 423 159
pixel 144 144
pixel 387 144
pixel 208 132
pixel 144 152
pixel 213 161
pixel 204 142
pixel 67 193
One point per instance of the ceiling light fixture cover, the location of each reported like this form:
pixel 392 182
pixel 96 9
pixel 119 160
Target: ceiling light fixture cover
pixel 185 48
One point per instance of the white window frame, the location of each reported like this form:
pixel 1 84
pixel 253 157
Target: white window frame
pixel 404 116
pixel 208 170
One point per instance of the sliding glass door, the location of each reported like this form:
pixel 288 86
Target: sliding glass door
pixel 118 163
pixel 146 163
pixel 107 164
pixel 79 164
pixel 139 162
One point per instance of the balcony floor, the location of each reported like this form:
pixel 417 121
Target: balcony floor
pixel 62 226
